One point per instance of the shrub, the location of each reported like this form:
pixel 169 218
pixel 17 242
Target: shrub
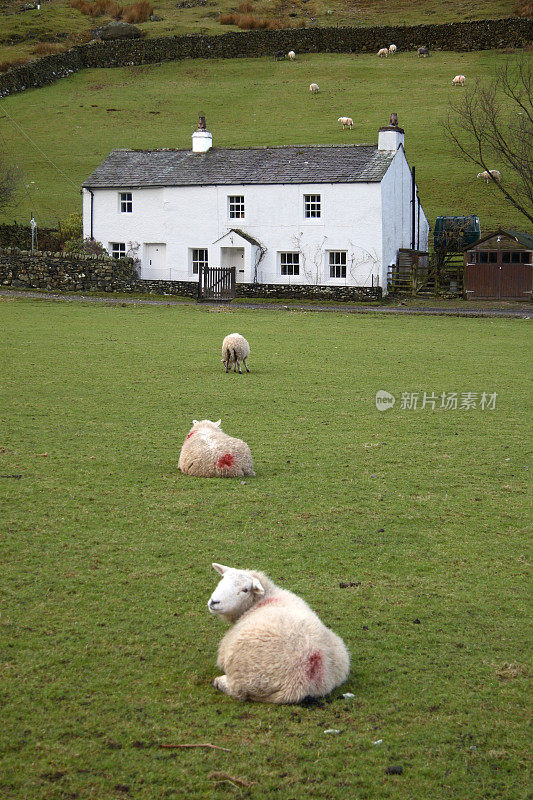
pixel 523 8
pixel 227 19
pixel 246 7
pixel 48 48
pixel 81 246
pixel 137 12
pixel 17 62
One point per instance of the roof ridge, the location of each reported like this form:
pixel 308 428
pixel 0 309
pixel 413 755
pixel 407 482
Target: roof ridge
pixel 255 147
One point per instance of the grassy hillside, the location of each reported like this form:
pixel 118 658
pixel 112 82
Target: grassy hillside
pixel 56 22
pixel 77 121
pixel 405 530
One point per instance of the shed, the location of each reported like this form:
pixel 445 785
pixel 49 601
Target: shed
pixel 499 266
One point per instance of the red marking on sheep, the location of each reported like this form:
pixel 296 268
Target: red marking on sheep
pixel 266 602
pixel 189 435
pixel 314 668
pixel 226 461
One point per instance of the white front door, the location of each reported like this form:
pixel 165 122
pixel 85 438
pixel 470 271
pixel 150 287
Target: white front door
pixel 154 263
pixel 233 257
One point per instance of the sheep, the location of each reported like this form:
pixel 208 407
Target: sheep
pixel 423 52
pixel 291 55
pixel 486 175
pixel 208 452
pixel 459 80
pixel 347 122
pixel 235 349
pixel 392 49
pixel 383 53
pixel 313 88
pixel 277 650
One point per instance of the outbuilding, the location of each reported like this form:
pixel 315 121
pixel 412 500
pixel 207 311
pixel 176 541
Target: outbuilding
pixel 499 266
pixel 292 215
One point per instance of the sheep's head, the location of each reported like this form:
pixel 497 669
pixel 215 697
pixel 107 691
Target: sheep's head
pixel 205 423
pixel 235 594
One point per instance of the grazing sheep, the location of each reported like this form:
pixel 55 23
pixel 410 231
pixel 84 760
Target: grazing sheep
pixel 392 49
pixel 486 175
pixel 277 650
pixel 459 80
pixel 313 88
pixel 208 452
pixel 291 55
pixel 235 349
pixel 279 55
pixel 383 53
pixel 423 52
pixel 347 122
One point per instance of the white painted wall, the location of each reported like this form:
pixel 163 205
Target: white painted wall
pixel 190 217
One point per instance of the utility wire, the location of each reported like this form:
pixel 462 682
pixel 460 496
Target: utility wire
pixel 39 149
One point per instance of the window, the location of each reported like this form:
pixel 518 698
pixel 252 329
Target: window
pixel 493 258
pixel 506 257
pixel 126 203
pixel 290 263
pixel 312 206
pixel 515 257
pixel 483 257
pixel 337 264
pixel 525 257
pixel 236 206
pixel 118 249
pixel 199 260
pixel 472 257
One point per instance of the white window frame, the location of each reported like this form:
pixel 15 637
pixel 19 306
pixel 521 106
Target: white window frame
pixel 118 249
pixel 287 264
pixel 236 208
pixel 125 202
pixel 312 206
pixel 199 257
pixel 337 260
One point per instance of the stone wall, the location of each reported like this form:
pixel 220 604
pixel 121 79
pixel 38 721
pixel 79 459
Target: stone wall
pixel 61 273
pixel 457 36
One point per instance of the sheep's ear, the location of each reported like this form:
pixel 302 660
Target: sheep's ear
pixel 257 587
pixel 220 568
pixel 195 422
pixel 218 424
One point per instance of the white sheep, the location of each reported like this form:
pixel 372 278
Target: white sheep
pixel 392 49
pixel 347 122
pixel 235 349
pixel 291 55
pixel 208 452
pixel 383 53
pixel 486 175
pixel 277 650
pixel 459 80
pixel 313 88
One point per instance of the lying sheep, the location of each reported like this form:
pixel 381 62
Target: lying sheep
pixel 347 122
pixel 235 349
pixel 208 452
pixel 486 175
pixel 277 650
pixel 423 52
pixel 392 49
pixel 459 80
pixel 313 88
pixel 383 53
pixel 291 55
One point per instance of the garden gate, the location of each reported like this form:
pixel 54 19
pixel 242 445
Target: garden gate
pixel 216 283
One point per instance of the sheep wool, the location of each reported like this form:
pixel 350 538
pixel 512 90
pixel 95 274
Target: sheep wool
pixel 277 650
pixel 235 349
pixel 208 452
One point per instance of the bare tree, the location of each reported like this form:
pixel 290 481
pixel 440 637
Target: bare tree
pixel 9 181
pixel 494 120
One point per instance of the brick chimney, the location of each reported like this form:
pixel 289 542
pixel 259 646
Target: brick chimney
pixel 202 141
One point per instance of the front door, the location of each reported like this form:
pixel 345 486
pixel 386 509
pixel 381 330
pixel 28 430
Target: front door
pixel 233 257
pixel 154 266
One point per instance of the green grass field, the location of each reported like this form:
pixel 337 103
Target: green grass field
pixel 78 120
pixel 108 649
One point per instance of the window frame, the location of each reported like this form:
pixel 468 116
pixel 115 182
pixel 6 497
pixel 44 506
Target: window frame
pixel 118 249
pixel 338 264
pixel 236 206
pixel 125 199
pixel 198 261
pixel 291 263
pixel 312 206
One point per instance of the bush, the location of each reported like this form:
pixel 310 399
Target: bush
pixel 17 62
pixel 87 247
pixel 48 48
pixel 138 12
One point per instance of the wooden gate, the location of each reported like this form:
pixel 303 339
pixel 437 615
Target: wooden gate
pixel 216 283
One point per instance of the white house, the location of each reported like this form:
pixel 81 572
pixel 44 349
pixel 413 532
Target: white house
pixel 329 215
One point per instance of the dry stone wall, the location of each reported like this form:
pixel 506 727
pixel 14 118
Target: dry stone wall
pixel 456 36
pixel 60 273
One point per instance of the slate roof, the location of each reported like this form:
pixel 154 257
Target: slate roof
pixel 251 165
